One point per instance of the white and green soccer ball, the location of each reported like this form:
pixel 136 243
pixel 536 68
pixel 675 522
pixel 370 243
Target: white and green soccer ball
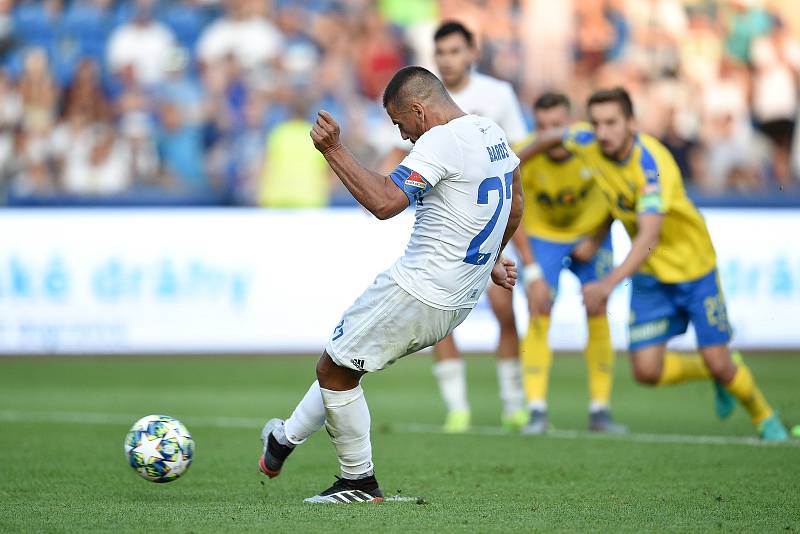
pixel 159 448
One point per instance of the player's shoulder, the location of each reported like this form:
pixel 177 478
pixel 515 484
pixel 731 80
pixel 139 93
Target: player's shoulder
pixel 441 134
pixel 655 155
pixel 581 131
pixel 442 144
pixel 651 144
pixel 486 82
pixel 579 135
pixel 467 126
pixel 656 161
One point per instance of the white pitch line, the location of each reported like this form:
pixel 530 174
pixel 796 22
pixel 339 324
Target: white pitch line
pixel 101 418
pixel 689 439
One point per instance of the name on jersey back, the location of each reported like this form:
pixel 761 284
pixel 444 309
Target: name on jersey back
pixel 498 152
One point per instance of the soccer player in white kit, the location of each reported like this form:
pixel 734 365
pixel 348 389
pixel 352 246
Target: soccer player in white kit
pixel 464 182
pixel 478 94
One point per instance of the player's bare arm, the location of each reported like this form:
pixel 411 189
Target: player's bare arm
pixel 540 296
pixel 504 272
pixel 544 141
pixel 586 249
pixel 392 159
pixel 375 192
pixel 596 294
pixel 517 206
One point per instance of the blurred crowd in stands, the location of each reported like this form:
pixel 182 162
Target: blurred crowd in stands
pixel 209 102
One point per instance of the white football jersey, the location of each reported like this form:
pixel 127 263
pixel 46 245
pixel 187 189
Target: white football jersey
pixel 494 99
pixel 460 177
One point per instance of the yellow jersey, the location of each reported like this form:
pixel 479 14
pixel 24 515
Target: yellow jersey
pixel 562 201
pixel 649 181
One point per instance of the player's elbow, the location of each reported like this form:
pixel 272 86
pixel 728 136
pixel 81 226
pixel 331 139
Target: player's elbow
pixel 384 211
pixel 389 204
pixel 381 213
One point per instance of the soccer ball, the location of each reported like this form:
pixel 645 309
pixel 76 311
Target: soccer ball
pixel 159 448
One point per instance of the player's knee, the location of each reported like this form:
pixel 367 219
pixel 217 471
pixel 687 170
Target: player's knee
pixel 507 324
pixel 323 371
pixel 504 315
pixel 333 376
pixel 646 373
pixel 446 349
pixel 326 371
pixel 600 312
pixel 540 314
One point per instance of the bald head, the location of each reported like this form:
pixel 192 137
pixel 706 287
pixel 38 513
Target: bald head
pixel 414 84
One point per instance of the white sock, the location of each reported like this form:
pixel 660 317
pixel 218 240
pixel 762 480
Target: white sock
pixel 509 378
pixel 347 421
pixel 538 405
pixel 597 406
pixel 452 383
pixel 307 417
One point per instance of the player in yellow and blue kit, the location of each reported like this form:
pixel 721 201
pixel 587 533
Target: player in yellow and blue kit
pixel 564 226
pixel 672 262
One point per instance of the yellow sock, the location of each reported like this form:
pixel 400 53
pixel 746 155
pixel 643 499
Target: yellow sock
pixel 678 368
pixel 599 360
pixel 744 388
pixel 536 359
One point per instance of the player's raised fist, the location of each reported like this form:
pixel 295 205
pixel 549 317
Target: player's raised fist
pixel 325 133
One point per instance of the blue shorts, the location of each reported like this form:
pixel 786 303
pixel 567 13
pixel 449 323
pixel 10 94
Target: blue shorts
pixel 553 256
pixel 660 311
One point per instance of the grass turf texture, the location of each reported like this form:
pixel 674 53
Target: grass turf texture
pixel 64 471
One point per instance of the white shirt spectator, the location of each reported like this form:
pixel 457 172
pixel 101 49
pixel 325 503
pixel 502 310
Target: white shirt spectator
pixel 495 100
pixel 98 164
pixel 145 45
pixel 252 41
pixel 774 84
pixel 10 115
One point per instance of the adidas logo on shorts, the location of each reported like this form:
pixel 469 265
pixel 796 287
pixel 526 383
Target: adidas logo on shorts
pixel 359 364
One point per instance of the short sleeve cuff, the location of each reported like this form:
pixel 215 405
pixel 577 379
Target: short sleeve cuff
pixel 650 203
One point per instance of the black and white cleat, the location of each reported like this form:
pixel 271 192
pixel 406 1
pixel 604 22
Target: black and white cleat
pixel 346 491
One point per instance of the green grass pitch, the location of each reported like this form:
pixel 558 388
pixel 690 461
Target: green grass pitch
pixel 63 420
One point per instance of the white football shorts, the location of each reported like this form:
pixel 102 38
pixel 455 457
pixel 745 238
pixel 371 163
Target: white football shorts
pixel 386 323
